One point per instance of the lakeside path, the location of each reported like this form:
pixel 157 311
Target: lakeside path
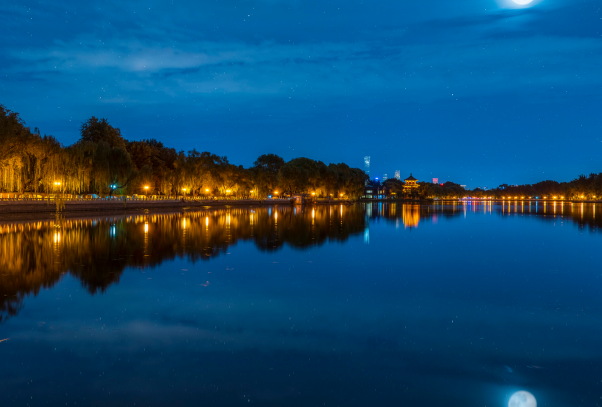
pixel 19 211
pixel 14 207
pixel 8 207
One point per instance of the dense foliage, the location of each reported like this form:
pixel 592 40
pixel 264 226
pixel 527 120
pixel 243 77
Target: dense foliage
pixel 425 190
pixel 104 162
pixel 581 188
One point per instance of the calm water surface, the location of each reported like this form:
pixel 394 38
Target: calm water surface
pixel 378 304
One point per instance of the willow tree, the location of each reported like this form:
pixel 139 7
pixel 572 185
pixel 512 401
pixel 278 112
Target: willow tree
pixel 96 130
pixel 113 168
pixel 265 172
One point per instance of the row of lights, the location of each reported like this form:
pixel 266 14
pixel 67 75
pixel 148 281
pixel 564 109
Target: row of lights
pixel 146 187
pixel 555 197
pixel 522 197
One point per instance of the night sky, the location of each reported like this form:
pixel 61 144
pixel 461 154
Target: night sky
pixel 479 92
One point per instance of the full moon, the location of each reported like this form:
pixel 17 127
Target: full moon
pixel 522 2
pixel 522 398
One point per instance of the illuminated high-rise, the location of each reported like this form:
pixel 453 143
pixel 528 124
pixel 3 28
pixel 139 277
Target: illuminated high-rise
pixel 385 177
pixel 367 165
pixel 398 175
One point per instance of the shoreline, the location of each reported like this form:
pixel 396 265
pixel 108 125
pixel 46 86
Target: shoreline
pixel 26 209
pixel 14 207
pixel 11 209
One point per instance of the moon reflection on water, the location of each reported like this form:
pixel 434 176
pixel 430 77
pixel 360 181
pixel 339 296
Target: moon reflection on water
pixel 522 399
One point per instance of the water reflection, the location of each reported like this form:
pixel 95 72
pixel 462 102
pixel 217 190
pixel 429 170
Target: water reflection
pixel 97 251
pixel 475 300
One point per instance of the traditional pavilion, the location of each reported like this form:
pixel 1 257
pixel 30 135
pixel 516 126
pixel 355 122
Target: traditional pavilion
pixel 410 184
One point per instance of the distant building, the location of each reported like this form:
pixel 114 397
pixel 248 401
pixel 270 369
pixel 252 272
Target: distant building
pixel 375 192
pixel 435 180
pixel 463 186
pixel 367 167
pixel 385 177
pixel 410 184
pixel 398 175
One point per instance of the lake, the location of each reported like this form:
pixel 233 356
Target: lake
pixel 373 304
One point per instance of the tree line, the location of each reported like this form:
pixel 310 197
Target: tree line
pixel 425 190
pixel 583 187
pixel 103 162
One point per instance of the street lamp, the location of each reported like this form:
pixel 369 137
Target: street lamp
pixel 57 184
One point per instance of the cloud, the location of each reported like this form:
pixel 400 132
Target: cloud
pixel 409 72
pixel 475 55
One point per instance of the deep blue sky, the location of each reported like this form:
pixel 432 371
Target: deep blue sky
pixel 480 92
